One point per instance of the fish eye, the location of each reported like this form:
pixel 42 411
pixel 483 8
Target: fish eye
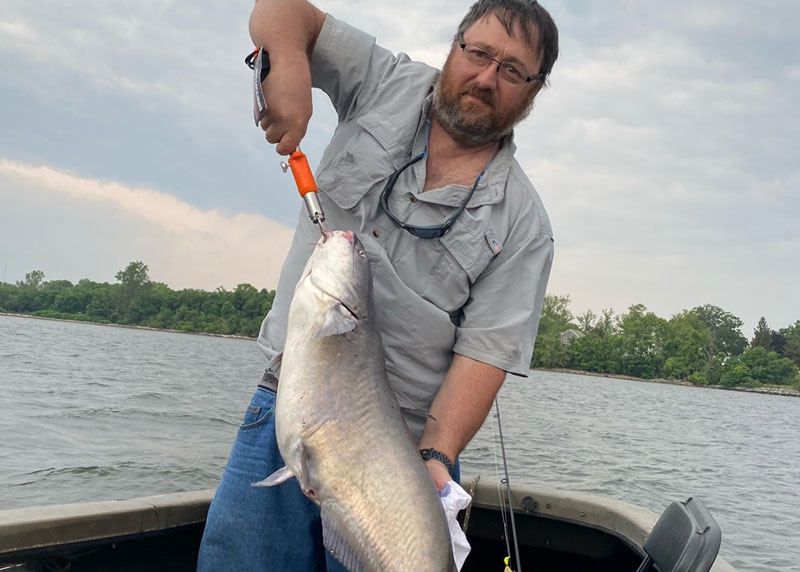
pixel 361 253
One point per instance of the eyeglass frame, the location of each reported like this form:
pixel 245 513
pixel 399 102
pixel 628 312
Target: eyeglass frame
pixel 541 76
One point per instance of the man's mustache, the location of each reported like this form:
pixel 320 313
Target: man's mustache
pixel 482 93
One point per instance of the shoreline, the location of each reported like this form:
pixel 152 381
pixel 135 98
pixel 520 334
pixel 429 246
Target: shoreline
pixel 783 391
pixel 769 390
pixel 131 327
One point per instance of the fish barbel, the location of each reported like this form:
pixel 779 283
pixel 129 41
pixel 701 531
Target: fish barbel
pixel 339 427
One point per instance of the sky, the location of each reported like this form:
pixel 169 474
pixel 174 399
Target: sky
pixel 665 148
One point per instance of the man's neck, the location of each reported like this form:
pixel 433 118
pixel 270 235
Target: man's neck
pixel 451 163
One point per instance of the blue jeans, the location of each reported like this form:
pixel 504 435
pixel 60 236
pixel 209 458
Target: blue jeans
pixel 261 529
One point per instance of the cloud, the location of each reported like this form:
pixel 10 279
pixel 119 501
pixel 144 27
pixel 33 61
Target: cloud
pixel 665 148
pixel 185 53
pixel 184 246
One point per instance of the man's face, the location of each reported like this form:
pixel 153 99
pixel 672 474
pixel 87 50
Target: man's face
pixel 475 105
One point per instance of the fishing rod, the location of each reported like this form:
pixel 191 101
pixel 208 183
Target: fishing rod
pixel 507 482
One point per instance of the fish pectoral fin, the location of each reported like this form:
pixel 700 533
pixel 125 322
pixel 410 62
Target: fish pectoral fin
pixel 280 476
pixel 338 320
pixel 344 539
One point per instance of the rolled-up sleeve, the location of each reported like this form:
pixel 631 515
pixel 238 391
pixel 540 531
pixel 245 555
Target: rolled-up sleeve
pixel 501 318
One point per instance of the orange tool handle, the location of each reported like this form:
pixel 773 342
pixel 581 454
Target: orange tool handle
pixel 302 173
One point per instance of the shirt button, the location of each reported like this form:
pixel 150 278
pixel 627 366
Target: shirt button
pixel 375 233
pixel 413 199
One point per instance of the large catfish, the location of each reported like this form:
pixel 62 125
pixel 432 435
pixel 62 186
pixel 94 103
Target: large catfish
pixel 339 426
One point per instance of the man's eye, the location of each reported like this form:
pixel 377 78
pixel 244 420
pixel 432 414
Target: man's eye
pixel 512 71
pixel 479 54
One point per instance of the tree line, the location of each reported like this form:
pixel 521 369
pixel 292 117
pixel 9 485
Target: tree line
pixel 703 345
pixel 137 300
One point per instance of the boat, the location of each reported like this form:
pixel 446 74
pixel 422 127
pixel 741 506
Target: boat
pixel 557 530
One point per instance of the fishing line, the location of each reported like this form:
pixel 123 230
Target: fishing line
pixel 508 488
pixel 507 482
pixel 498 480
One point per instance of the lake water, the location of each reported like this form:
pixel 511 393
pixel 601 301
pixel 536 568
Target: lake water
pixel 93 412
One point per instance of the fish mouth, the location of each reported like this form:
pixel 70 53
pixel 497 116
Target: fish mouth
pixel 325 292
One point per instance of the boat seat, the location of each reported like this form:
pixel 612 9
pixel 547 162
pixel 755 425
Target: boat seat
pixel 685 538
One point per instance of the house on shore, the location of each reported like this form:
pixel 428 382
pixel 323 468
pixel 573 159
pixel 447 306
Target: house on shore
pixel 567 336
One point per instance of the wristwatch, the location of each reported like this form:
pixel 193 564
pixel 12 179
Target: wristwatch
pixel 428 454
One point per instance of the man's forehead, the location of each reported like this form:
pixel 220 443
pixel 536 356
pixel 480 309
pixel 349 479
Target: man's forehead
pixel 490 30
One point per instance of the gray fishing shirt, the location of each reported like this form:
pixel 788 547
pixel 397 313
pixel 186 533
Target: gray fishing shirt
pixel 478 290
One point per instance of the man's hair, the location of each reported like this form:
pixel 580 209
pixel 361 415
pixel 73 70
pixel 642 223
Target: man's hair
pixel 533 22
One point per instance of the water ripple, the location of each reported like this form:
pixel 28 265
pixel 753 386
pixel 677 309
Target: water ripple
pixel 94 413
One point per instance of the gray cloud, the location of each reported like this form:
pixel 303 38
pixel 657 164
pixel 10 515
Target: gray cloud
pixel 665 147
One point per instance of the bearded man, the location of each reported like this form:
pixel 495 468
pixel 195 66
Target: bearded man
pixel 421 166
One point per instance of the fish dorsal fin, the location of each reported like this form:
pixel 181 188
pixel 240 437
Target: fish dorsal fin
pixel 338 320
pixel 280 476
pixel 344 539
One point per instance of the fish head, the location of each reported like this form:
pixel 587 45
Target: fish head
pixel 339 266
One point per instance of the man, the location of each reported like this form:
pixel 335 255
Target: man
pixel 460 244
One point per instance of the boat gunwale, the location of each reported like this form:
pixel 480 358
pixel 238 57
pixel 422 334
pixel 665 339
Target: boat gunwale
pixel 46 528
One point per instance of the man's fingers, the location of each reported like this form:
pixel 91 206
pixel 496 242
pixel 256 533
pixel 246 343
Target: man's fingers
pixel 274 133
pixel 287 142
pixel 287 145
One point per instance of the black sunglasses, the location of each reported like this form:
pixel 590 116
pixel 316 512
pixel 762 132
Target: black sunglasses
pixel 433 231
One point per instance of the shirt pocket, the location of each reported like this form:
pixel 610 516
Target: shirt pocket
pixel 443 270
pixel 366 157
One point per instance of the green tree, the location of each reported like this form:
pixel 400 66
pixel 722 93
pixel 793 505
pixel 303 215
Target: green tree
pixel 586 321
pixel 737 374
pixel 711 374
pixel 792 336
pixel 556 317
pixel 762 366
pixel 606 323
pixel 725 328
pixel 33 280
pixel 688 345
pixel 71 302
pixel 762 335
pixel 595 352
pixel 642 341
pixel 133 305
pixel 134 276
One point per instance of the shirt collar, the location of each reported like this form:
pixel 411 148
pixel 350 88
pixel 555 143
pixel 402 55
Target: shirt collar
pixel 491 188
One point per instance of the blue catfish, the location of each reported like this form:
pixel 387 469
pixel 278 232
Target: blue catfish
pixel 339 426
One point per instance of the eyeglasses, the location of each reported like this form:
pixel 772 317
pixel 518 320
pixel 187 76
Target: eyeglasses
pixel 509 71
pixel 433 231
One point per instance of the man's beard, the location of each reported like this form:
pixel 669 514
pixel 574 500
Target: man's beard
pixel 470 123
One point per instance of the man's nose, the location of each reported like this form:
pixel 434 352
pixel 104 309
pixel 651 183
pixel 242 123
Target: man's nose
pixel 488 76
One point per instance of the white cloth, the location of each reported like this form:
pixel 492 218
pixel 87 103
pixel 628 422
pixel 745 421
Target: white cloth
pixel 455 499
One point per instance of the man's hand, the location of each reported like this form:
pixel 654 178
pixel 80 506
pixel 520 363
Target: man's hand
pixel 439 473
pixel 287 93
pixel 288 31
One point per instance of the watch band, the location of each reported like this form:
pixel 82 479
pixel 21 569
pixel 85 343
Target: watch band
pixel 428 454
